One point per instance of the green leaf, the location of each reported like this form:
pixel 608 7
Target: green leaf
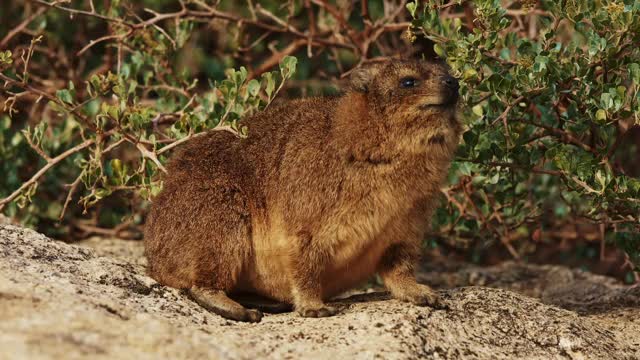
pixel 288 66
pixel 634 72
pixel 5 57
pixel 270 84
pixel 412 7
pixel 253 87
pixel 64 95
pixel 606 101
pixel 469 74
pixel 478 110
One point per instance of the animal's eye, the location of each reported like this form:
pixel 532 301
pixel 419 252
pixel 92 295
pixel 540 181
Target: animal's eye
pixel 408 82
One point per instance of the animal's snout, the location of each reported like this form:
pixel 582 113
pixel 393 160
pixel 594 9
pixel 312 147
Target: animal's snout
pixel 451 82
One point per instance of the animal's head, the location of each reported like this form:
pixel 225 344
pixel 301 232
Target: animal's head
pixel 411 84
pixel 415 98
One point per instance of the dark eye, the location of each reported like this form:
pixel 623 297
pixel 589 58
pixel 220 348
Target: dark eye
pixel 408 82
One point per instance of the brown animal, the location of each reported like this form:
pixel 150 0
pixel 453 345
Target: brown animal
pixel 324 193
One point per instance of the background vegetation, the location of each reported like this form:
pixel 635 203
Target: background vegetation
pixel 97 93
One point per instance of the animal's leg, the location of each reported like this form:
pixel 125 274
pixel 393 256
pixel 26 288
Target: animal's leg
pixel 218 302
pixel 397 271
pixel 307 261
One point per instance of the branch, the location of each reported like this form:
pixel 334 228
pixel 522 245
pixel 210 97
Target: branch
pixel 15 31
pixel 565 137
pixel 37 148
pixel 72 189
pixel 82 12
pixel 503 239
pixel 179 141
pixel 275 58
pixel 92 43
pixel 50 163
pixel 44 94
pixel 150 155
pixel 521 167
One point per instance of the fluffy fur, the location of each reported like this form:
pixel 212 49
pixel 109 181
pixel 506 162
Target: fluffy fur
pixel 324 193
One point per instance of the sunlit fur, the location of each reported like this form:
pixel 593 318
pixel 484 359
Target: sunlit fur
pixel 323 194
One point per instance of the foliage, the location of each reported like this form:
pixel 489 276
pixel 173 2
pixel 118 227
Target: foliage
pixel 114 130
pixel 547 111
pixel 97 94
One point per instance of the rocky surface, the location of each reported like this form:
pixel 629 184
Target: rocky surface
pixel 95 301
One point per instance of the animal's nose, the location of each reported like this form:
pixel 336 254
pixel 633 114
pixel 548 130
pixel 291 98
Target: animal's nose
pixel 451 82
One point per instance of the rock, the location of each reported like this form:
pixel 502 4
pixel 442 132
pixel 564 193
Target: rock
pixel 74 302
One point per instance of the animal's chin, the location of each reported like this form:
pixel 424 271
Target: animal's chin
pixel 445 104
pixel 438 106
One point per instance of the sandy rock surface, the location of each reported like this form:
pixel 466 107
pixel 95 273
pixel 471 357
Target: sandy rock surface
pixel 60 301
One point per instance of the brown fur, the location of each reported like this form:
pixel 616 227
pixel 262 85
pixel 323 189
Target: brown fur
pixel 324 193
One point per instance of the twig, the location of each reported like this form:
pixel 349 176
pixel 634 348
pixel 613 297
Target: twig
pixel 522 167
pixel 478 211
pixel 51 163
pixel 150 155
pixel 21 27
pixel 119 231
pixel 82 12
pixel 191 136
pixel 41 93
pixel 564 136
pixel 503 116
pixel 276 57
pixel 179 141
pixel 37 148
pixel 92 43
pixel 72 189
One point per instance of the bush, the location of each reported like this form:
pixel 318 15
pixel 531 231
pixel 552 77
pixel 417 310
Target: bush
pixel 549 105
pixel 97 95
pixel 112 124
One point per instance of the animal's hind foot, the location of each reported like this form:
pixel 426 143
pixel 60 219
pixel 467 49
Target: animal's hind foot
pixel 322 311
pixel 219 303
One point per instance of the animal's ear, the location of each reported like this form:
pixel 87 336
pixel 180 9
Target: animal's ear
pixel 422 49
pixel 362 77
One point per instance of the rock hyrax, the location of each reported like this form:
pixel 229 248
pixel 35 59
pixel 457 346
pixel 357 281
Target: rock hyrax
pixel 324 193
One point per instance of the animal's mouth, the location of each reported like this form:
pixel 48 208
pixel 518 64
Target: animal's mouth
pixel 448 101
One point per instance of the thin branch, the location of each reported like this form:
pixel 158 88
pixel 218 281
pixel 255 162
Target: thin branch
pixel 276 57
pixel 92 43
pixel 44 94
pixel 82 12
pixel 522 167
pixel 51 163
pixel 72 189
pixel 478 211
pixel 149 155
pixel 564 136
pixel 179 141
pixel 37 148
pixel 15 31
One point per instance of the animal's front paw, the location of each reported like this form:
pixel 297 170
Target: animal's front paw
pixel 317 312
pixel 421 295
